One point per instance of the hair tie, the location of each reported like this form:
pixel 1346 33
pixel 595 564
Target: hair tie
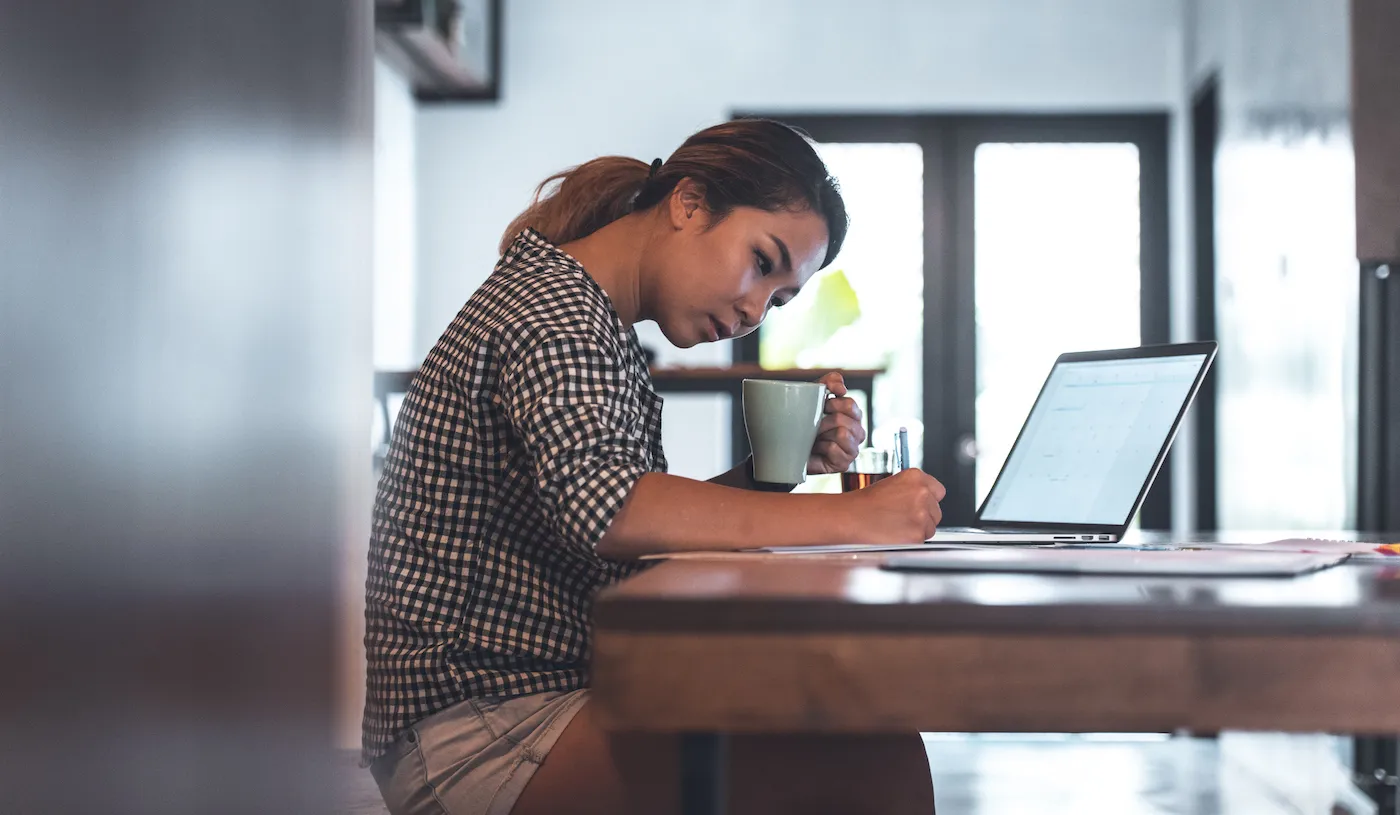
pixel 655 165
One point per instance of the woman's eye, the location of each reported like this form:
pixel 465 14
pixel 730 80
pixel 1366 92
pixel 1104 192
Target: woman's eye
pixel 777 302
pixel 765 266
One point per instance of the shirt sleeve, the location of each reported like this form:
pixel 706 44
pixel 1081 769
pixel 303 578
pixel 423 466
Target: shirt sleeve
pixel 568 400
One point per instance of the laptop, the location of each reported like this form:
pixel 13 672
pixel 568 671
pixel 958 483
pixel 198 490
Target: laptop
pixel 1091 446
pixel 1087 453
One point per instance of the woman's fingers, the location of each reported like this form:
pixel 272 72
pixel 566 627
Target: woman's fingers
pixel 846 438
pixel 829 457
pixel 840 433
pixel 843 405
pixel 832 422
pixel 835 383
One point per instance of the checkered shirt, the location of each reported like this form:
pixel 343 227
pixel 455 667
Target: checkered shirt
pixel 518 441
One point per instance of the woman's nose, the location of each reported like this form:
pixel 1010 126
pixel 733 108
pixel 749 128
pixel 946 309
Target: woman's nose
pixel 746 316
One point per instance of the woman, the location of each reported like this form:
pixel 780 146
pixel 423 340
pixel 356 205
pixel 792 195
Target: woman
pixel 526 473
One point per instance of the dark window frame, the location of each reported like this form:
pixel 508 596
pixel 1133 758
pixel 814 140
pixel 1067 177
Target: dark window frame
pixel 1205 140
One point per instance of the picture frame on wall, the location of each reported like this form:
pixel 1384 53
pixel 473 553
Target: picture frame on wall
pixel 450 50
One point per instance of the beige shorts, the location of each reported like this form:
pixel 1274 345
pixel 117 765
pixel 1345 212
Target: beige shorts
pixel 475 757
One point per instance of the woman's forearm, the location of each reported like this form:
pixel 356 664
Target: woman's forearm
pixel 740 478
pixel 666 513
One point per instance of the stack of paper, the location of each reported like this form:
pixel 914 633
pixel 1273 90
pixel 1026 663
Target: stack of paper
pixel 1184 563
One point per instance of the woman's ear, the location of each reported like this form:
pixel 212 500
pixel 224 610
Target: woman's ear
pixel 687 204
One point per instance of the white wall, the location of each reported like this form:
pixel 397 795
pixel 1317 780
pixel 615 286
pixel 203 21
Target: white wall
pixel 1278 60
pixel 395 220
pixel 1285 259
pixel 637 76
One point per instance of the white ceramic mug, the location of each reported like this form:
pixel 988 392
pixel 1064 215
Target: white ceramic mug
pixel 782 419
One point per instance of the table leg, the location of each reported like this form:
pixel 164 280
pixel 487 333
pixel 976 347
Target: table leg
pixel 1377 766
pixel 704 774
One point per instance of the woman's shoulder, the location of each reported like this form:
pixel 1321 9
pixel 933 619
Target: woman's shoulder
pixel 538 292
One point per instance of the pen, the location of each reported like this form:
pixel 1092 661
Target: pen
pixel 904 448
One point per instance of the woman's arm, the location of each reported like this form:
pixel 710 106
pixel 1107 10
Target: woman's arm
pixel 590 471
pixel 667 513
pixel 741 478
pixel 838 440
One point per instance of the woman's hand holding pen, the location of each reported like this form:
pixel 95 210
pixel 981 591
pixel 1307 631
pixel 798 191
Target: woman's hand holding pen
pixel 903 508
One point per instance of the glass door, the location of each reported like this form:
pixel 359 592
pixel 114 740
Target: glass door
pixel 1055 269
pixel 865 309
pixel 1055 240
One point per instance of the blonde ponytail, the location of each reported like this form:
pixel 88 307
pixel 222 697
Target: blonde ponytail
pixel 585 199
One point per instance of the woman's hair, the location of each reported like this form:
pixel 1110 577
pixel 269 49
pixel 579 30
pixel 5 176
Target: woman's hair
pixel 743 163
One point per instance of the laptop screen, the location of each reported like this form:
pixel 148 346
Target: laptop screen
pixel 1091 440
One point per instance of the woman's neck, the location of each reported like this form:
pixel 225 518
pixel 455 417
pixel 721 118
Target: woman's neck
pixel 612 257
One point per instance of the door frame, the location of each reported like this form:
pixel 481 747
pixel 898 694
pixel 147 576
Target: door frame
pixel 1205 140
pixel 949 141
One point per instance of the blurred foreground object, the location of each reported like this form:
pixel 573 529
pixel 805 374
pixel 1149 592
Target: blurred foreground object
pixel 184 335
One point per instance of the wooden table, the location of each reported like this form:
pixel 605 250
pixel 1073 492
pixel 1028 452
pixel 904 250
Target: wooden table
pixel 834 644
pixel 729 380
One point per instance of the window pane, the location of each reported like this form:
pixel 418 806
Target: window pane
pixel 1057 269
pixel 1287 295
pixel 865 310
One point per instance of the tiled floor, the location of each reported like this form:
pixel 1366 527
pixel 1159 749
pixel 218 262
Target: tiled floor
pixel 357 793
pixel 1238 774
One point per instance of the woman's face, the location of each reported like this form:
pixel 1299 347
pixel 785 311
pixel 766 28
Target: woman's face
pixel 715 281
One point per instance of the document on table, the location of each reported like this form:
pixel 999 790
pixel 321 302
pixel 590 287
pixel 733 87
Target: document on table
pixel 1182 563
pixel 860 548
